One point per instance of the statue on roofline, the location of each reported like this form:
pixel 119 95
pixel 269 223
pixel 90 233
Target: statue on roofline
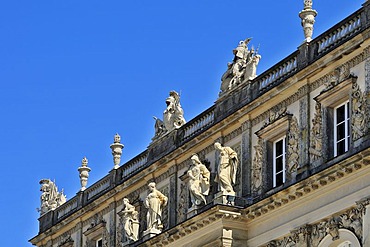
pixel 243 67
pixel 50 197
pixel 173 116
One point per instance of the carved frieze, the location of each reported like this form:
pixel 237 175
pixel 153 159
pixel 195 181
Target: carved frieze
pixel 182 206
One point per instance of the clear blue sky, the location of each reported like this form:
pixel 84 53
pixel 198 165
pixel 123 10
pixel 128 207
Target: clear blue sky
pixel 73 73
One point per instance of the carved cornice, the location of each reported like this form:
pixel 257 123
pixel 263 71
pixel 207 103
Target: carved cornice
pixel 228 215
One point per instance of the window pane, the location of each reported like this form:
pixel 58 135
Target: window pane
pixel 341 147
pixel 279 179
pixel 279 148
pixel 340 114
pixel 341 131
pixel 279 164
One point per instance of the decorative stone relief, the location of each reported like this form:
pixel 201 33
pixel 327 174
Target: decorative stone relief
pixel 301 236
pixel 242 68
pixel 311 235
pixel 238 184
pixel 275 115
pixel 358 118
pixel 316 134
pixel 50 198
pixel 165 209
pixel 173 116
pixel 257 167
pixel 182 207
pixel 66 242
pixel 338 75
pixel 293 152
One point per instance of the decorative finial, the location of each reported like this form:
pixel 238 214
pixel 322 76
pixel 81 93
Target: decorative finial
pixel 84 173
pixel 116 150
pixel 307 16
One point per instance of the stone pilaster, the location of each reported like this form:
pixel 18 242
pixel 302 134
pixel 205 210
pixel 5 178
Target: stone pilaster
pixel 78 240
pixel 112 224
pixel 173 200
pixel 304 125
pixel 246 158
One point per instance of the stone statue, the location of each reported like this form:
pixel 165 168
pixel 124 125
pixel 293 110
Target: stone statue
pixel 198 184
pixel 130 220
pixel 307 16
pixel 243 67
pixel 154 202
pixel 227 168
pixel 173 116
pixel 50 197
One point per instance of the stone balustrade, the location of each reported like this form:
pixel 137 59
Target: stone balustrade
pixel 67 207
pixel 199 123
pixel 341 31
pixel 99 187
pixel 284 68
pixel 134 165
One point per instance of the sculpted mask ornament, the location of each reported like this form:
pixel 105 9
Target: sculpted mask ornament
pixel 198 185
pixel 243 67
pixel 226 175
pixel 154 202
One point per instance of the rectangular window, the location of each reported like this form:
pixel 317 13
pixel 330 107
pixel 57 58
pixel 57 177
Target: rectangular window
pixel 279 162
pixel 99 243
pixel 341 129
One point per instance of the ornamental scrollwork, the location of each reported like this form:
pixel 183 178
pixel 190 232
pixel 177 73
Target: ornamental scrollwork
pixel 359 118
pixel 293 141
pixel 316 134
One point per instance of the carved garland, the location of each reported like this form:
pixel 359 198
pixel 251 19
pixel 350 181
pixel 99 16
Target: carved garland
pixel 316 134
pixel 293 150
pixel 257 167
pixel 359 118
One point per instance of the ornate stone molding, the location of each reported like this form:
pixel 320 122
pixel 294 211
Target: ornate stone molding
pixel 359 117
pixel 233 134
pixel 316 134
pixel 293 148
pixel 257 167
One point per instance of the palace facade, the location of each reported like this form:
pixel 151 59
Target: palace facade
pixel 291 166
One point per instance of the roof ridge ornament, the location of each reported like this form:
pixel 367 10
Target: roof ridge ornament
pixel 307 16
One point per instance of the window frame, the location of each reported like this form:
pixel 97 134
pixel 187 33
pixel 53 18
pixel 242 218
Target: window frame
pixel 347 126
pixel 274 159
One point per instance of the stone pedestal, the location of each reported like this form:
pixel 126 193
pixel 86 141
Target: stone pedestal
pixel 150 233
pixel 191 212
pixel 220 198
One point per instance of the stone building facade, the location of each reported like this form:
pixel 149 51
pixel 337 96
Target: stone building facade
pixel 301 131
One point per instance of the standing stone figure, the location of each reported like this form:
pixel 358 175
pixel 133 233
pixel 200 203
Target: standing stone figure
pixel 154 202
pixel 130 220
pixel 198 183
pixel 227 168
